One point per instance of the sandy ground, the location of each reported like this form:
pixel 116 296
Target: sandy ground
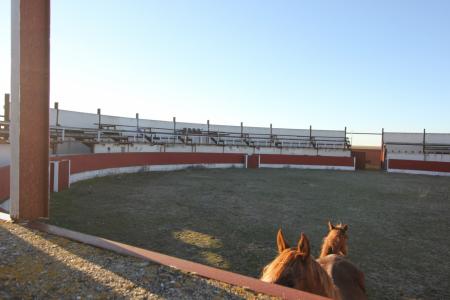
pixel 35 265
pixel 398 232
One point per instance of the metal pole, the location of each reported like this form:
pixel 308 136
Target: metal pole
pixel 99 113
pixel 174 129
pixel 242 129
pixel 271 137
pixel 7 108
pixel 345 136
pixel 57 113
pixel 207 123
pixel 137 121
pixel 423 143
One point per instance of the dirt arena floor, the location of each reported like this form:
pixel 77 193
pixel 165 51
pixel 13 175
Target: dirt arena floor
pixel 398 224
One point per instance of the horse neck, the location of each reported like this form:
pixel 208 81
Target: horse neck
pixel 332 241
pixel 321 283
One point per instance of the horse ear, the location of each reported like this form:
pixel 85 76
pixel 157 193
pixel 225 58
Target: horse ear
pixel 303 246
pixel 345 227
pixel 330 226
pixel 281 242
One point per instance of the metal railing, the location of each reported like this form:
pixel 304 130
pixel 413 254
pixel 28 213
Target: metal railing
pixel 125 134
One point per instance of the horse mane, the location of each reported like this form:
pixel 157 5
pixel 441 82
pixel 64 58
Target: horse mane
pixel 335 241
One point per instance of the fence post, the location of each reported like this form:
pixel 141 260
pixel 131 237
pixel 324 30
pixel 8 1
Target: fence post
pixel 242 129
pixel 174 130
pixel 271 136
pixel 137 121
pixel 99 113
pixel 423 145
pixel 56 106
pixel 207 123
pixel 345 137
pixel 7 108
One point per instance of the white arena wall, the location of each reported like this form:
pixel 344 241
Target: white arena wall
pixel 417 153
pixel 115 148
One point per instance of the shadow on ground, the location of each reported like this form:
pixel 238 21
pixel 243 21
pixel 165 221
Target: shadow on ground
pixel 35 265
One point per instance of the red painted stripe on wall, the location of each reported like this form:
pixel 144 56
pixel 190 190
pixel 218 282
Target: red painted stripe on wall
pixel 63 180
pixel 433 166
pixel 4 183
pixel 90 162
pixel 307 160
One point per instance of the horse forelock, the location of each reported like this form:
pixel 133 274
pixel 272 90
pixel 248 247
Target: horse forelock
pixel 274 270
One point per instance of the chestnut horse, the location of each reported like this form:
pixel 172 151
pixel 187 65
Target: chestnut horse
pixel 345 275
pixel 336 240
pixel 295 268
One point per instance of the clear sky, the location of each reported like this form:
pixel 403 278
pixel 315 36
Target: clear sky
pixel 360 64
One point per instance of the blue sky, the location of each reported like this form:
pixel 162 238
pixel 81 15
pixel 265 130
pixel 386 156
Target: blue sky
pixel 360 64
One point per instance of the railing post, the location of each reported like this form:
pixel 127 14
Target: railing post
pixel 271 136
pixel 56 105
pixel 99 113
pixel 207 123
pixel 137 121
pixel 345 137
pixel 423 145
pixel 174 130
pixel 242 129
pixel 7 108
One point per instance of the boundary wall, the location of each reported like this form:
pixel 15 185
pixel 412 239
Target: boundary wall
pixel 68 169
pixel 417 153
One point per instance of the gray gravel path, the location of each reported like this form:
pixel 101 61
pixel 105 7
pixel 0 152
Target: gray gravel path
pixel 36 265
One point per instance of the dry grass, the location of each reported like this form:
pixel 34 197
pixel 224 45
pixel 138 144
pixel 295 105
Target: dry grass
pixel 228 218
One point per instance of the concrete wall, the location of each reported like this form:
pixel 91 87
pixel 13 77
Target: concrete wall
pixel 72 147
pixel 137 147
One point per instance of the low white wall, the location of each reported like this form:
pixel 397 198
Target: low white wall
pixel 418 172
pixel 309 167
pixel 137 147
pixel 148 168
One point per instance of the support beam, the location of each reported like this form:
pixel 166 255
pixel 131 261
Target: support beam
pixel 30 86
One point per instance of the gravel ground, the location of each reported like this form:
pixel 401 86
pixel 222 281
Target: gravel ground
pixel 36 265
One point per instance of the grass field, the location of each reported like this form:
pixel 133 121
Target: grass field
pixel 398 224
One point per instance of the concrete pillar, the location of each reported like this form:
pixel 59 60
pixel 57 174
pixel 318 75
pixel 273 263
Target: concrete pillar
pixel 30 80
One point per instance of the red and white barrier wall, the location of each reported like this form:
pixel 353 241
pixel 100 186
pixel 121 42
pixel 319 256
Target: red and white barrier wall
pixel 306 162
pixel 68 169
pixel 417 153
pixel 441 168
